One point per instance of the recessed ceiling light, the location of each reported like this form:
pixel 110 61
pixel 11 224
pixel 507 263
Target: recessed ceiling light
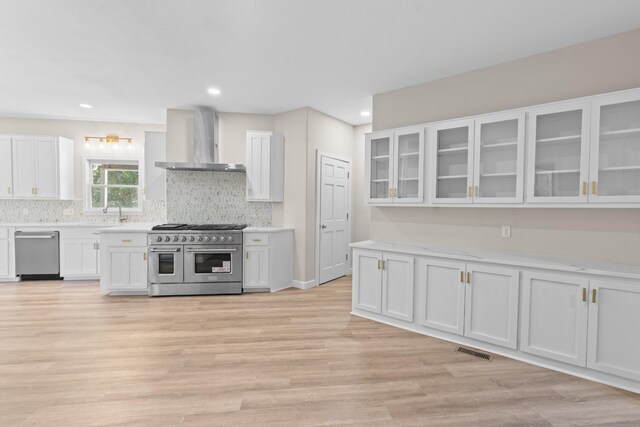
pixel 213 91
pixel 365 113
pixel 87 106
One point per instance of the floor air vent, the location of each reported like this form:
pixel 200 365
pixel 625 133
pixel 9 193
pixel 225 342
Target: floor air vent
pixel 475 353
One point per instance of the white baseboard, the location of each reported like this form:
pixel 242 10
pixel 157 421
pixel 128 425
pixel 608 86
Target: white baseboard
pixel 9 280
pixel 304 285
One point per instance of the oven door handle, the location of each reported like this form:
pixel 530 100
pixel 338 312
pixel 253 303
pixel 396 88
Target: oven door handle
pixel 164 250
pixel 206 251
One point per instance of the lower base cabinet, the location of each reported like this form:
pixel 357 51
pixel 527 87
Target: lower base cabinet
pixel 268 260
pixel 7 263
pixel 124 263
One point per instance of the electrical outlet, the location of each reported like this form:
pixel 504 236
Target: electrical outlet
pixel 67 212
pixel 506 231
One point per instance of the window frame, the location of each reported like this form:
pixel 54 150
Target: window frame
pixel 88 184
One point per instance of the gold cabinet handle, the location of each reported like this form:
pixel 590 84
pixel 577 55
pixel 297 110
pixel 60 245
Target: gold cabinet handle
pixel 594 186
pixel 584 294
pixel 469 191
pixel 383 264
pixel 584 188
pixel 9 190
pixel 461 276
pixel 36 190
pixel 247 255
pixel 468 277
pixel 257 240
pixel 593 296
pixel 144 256
pixel 390 192
pixel 475 191
pixel 126 241
pixel 378 264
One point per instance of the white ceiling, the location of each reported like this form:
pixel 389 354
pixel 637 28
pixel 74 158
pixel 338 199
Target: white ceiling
pixel 132 59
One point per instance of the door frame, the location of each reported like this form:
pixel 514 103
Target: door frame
pixel 319 155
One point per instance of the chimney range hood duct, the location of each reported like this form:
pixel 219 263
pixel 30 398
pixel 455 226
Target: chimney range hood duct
pixel 205 148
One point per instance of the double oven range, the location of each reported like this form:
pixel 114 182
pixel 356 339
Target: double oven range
pixel 195 259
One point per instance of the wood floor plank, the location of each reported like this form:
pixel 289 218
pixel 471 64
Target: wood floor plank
pixel 71 356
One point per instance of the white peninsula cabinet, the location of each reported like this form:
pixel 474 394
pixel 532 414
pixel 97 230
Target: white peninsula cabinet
pixel 268 259
pixel 123 261
pixel 394 167
pixel 577 318
pixel 79 253
pixel 478 161
pixel 265 167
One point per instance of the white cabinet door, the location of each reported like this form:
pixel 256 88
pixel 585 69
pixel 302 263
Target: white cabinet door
pixel 5 253
pixel 554 316
pixel 615 149
pixel 558 153
pixel 491 307
pixel 155 178
pixel 24 172
pixel 6 167
pixel 614 341
pixel 408 168
pixel 397 286
pixel 258 166
pixel 367 280
pixel 379 167
pixel 499 159
pixel 127 268
pixel 78 257
pixel 256 267
pixel 451 171
pixel 46 167
pixel 441 292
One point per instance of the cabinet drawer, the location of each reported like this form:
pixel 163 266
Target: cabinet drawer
pixel 256 239
pixel 79 233
pixel 122 239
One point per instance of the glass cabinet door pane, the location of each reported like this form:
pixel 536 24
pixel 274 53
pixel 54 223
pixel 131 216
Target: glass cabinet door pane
pixel 452 151
pixel 558 154
pixel 380 167
pixel 619 150
pixel 498 159
pixel 408 164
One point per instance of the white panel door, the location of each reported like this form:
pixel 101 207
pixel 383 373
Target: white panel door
pixel 408 170
pixel 258 166
pixel 491 306
pixel 397 286
pixel 614 340
pixel 256 267
pixel 24 167
pixel 379 167
pixel 6 167
pixel 334 205
pixel 46 164
pixel 441 291
pixel 614 169
pixel 558 153
pixel 554 317
pixel 138 266
pixel 127 268
pixel 367 281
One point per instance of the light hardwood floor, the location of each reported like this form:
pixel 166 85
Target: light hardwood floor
pixel 70 356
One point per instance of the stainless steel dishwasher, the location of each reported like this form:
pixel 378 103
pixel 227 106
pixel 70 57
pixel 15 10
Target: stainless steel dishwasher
pixel 37 253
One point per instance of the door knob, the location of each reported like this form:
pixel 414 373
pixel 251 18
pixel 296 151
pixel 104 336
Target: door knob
pixel 323 226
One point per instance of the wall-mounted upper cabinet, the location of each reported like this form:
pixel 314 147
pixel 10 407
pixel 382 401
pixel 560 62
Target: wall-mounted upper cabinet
pixel 478 161
pixel 265 167
pixel 394 167
pixel 36 167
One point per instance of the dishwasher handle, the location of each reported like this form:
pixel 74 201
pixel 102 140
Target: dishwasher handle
pixel 40 236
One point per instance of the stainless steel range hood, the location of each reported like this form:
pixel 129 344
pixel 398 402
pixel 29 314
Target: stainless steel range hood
pixel 205 147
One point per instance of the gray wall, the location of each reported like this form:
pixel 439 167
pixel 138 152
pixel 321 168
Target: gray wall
pixel 603 65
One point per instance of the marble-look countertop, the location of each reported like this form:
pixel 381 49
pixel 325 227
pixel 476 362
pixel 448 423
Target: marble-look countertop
pixel 60 224
pixel 140 227
pixel 625 271
pixel 266 229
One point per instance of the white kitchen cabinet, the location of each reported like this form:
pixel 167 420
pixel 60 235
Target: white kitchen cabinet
pixel 614 171
pixel 394 166
pixel 554 316
pixel 7 251
pixel 268 259
pixel 79 253
pixel 155 178
pixel 558 153
pixel 265 167
pixel 384 284
pixel 43 167
pixel 123 263
pixel 6 167
pixel 613 340
pixel 441 289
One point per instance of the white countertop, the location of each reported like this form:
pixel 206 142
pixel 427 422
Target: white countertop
pixel 266 229
pixel 133 227
pixel 471 255
pixel 59 224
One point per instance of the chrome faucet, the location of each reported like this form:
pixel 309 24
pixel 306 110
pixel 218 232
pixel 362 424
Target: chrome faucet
pixel 114 203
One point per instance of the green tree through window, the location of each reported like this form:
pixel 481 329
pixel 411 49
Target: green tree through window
pixel 114 182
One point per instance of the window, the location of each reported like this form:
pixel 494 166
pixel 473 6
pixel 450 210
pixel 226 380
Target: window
pixel 113 181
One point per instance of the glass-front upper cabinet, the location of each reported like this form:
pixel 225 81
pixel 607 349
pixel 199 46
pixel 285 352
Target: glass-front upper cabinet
pixel 558 153
pixel 499 158
pixel 451 161
pixel 615 149
pixel 395 166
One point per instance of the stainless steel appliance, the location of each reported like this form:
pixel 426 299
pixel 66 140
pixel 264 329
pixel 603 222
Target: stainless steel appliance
pixel 37 253
pixel 195 259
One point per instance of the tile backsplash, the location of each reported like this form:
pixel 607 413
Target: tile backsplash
pixel 212 197
pixel 30 211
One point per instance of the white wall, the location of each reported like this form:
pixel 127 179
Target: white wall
pixel 604 65
pixel 233 129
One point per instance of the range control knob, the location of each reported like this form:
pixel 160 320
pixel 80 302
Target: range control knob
pixel 191 239
pixel 215 238
pixel 184 238
pixel 199 238
pixel 175 238
pixel 167 239
pixel 159 239
pixel 229 239
pixel 208 238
